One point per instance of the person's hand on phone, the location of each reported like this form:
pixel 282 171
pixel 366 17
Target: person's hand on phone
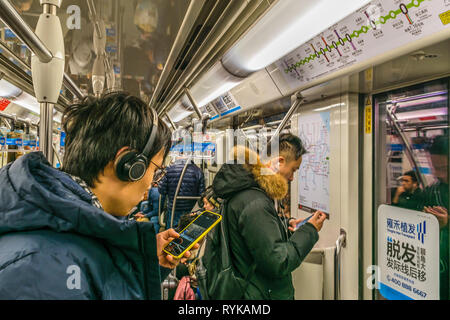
pixel 317 220
pixel 165 259
pixel 293 224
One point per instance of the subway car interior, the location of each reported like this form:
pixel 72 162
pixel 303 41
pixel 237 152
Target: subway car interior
pixel 364 85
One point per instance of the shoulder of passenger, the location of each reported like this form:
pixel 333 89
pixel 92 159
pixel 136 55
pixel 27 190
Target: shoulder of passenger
pixel 255 193
pixel 252 198
pixel 51 245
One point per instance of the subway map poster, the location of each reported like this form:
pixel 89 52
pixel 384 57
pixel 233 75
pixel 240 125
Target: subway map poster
pixel 314 183
pixel 378 27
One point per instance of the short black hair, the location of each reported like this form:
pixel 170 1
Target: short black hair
pixel 96 129
pixel 291 147
pixel 411 174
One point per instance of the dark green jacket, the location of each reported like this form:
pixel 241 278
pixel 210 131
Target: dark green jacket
pixel 257 234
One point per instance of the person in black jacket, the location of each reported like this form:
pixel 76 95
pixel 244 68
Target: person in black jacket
pixel 260 239
pixel 62 233
pixel 408 195
pixel 193 185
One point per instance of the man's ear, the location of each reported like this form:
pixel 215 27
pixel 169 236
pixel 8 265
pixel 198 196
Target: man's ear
pixel 121 150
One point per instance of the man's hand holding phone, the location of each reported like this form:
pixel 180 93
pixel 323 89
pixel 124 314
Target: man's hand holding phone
pixel 166 260
pixel 317 220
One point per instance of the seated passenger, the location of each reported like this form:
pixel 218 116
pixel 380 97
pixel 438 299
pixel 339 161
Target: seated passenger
pixel 264 251
pixel 408 195
pixel 62 235
pixel 193 185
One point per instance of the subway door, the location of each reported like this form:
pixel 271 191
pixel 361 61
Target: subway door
pixel 328 180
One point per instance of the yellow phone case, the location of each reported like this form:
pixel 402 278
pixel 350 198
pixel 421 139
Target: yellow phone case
pixel 199 238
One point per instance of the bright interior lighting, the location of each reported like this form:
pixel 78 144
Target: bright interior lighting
pixel 213 84
pixel 28 102
pixel 8 91
pixel 179 113
pixel 329 107
pixel 19 97
pixel 223 88
pixel 419 102
pixel 422 114
pixel 289 24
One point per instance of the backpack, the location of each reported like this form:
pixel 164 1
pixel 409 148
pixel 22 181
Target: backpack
pixel 215 273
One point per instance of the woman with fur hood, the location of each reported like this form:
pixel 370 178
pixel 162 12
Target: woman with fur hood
pixel 264 248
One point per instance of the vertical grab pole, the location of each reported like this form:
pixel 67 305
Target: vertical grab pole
pixel 48 75
pixel 178 190
pixel 288 116
pixel 171 122
pixel 46 131
pixel 193 102
pixel 341 242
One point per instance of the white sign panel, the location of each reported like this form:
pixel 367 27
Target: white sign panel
pixel 408 254
pixel 378 27
pixel 314 182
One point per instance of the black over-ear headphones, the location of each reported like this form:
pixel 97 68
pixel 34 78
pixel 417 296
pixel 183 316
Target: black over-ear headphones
pixel 131 166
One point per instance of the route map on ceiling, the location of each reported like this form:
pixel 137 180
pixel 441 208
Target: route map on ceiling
pixel 313 181
pixel 380 26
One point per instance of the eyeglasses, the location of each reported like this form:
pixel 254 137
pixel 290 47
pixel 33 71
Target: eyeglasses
pixel 163 171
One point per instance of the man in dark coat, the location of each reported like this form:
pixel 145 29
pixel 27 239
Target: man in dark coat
pixel 193 185
pixel 258 234
pixel 62 233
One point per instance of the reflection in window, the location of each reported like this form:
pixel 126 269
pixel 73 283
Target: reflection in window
pixel 139 36
pixel 415 125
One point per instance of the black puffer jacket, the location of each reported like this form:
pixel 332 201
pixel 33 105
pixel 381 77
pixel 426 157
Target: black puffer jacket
pixel 54 244
pixel 257 234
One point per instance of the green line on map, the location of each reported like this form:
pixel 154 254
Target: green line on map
pixel 355 34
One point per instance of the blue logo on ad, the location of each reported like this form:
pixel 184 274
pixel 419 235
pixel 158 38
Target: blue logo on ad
pixel 422 231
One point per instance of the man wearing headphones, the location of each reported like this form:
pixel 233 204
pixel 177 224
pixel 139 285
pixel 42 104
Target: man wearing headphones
pixel 62 233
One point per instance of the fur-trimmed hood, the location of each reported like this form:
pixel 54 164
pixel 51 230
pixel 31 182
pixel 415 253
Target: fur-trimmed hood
pixel 250 172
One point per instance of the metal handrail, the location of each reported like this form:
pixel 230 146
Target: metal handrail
pixel 160 221
pixel 22 30
pixel 188 198
pixel 341 242
pixel 298 101
pixel 72 87
pixel 56 154
pixel 393 119
pixel 171 122
pixel 14 118
pixel 14 21
pixel 178 190
pixel 193 102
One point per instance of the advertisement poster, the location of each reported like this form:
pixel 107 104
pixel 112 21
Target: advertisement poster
pixel 408 254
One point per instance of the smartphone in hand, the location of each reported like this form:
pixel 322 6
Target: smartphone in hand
pixel 303 222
